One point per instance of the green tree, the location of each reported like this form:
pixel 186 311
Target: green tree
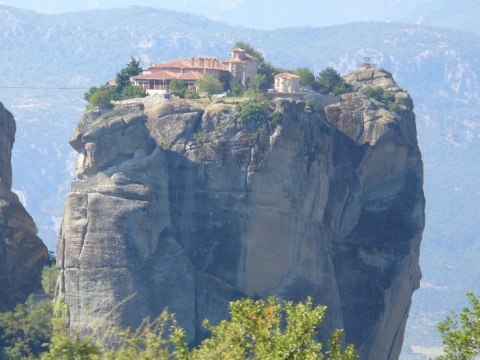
pixel 461 332
pixel 49 278
pixel 123 76
pixel 177 87
pixel 306 76
pixel 209 85
pixel 270 330
pixel 236 87
pixel 329 78
pixel 24 330
pixel 258 83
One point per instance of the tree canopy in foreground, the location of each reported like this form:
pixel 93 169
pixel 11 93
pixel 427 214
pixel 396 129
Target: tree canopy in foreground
pixel 256 330
pixel 461 332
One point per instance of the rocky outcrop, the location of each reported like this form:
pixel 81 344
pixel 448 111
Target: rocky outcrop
pixel 22 253
pixel 187 208
pixel 378 228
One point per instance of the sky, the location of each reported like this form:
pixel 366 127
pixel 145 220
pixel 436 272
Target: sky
pixel 258 14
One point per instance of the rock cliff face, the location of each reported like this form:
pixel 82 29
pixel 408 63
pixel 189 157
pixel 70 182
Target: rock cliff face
pixel 186 208
pixel 22 253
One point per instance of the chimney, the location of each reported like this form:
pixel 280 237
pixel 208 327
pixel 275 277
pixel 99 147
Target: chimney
pixel 193 60
pixel 201 61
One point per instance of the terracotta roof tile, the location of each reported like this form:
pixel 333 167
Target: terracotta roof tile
pixel 289 75
pixel 234 61
pixel 209 62
pixel 168 75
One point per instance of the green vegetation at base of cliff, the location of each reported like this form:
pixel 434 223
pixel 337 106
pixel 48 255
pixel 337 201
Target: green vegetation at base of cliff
pixel 24 330
pixel 257 329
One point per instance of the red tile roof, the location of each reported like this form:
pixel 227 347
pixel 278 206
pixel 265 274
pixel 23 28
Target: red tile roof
pixel 229 60
pixel 168 75
pixel 289 75
pixel 209 63
pixel 247 55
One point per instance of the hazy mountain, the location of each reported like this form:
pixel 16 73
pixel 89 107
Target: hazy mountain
pixel 438 66
pixel 273 14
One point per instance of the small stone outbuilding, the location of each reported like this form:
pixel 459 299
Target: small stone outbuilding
pixel 287 82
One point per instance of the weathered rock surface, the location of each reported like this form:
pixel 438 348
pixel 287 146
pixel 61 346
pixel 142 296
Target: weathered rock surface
pixel 22 253
pixel 186 209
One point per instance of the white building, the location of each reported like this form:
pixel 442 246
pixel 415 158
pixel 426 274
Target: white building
pixel 287 83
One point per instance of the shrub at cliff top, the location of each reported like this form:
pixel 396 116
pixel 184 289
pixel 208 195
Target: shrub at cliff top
pixel 103 95
pixel 380 94
pixel 330 79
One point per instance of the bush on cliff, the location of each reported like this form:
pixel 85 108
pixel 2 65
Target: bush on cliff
pixel 101 98
pixel 249 110
pixel 380 94
pixel 132 91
